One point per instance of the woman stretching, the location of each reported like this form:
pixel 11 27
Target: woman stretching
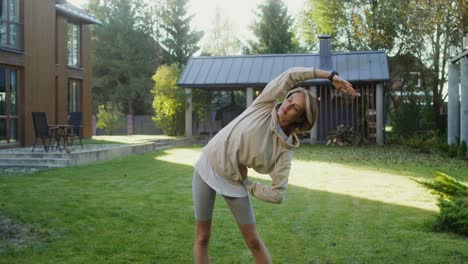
pixel 261 138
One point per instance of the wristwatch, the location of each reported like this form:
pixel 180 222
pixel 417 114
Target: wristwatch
pixel 332 74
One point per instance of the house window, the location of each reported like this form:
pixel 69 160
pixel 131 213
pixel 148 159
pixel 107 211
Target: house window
pixel 8 105
pixel 10 26
pixel 74 95
pixel 73 45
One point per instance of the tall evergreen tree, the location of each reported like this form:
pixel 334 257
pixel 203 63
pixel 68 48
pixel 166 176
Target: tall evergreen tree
pixel 178 39
pixel 124 55
pixel 273 30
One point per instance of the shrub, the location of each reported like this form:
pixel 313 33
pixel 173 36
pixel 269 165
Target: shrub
pixel 455 150
pixel 109 117
pixel 405 119
pixel 452 202
pixel 461 150
pixel 169 101
pixel 417 142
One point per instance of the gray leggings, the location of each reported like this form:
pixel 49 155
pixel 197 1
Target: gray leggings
pixel 204 198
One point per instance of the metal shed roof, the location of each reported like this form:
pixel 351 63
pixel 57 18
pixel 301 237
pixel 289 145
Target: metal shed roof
pixel 258 70
pixel 76 12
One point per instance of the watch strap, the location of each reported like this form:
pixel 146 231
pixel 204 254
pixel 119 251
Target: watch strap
pixel 332 74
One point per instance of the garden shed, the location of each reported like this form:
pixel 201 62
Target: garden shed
pixel 366 70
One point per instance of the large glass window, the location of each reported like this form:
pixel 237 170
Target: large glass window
pixel 73 45
pixel 8 105
pixel 10 26
pixel 74 95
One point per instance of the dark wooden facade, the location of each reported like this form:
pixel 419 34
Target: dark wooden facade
pixel 43 71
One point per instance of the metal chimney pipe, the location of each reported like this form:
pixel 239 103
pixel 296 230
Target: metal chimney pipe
pixel 325 52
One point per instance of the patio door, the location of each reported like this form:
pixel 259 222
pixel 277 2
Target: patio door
pixel 8 106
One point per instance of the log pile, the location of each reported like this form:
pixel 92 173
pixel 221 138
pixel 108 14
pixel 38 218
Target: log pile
pixel 343 136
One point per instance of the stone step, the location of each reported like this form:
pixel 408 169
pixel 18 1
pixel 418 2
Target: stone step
pixel 34 162
pixel 34 155
pixel 41 159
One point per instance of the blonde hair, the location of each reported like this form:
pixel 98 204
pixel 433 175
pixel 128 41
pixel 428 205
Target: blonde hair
pixel 310 112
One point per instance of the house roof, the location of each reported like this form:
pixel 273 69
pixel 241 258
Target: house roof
pixel 258 70
pixel 459 56
pixel 75 12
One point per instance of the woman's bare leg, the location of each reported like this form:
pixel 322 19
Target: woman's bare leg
pixel 201 243
pixel 255 244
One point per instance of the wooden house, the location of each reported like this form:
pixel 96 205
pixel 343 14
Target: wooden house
pixel 45 66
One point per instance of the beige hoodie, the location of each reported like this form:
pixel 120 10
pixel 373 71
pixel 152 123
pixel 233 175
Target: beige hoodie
pixel 251 140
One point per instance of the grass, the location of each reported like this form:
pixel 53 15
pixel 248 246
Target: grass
pixel 343 205
pixel 126 139
pixel 398 159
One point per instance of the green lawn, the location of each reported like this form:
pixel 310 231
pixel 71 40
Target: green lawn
pixel 344 205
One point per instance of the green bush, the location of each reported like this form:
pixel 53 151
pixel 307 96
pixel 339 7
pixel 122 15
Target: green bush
pixel 455 150
pixel 461 150
pixel 169 102
pixel 405 119
pixel 452 201
pixel 109 117
pixel 453 216
pixel 417 142
pixel 449 150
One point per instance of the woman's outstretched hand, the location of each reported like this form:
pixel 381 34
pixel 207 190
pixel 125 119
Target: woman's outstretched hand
pixel 344 86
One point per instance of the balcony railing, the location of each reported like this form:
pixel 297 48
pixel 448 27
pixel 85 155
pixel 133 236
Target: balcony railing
pixel 11 35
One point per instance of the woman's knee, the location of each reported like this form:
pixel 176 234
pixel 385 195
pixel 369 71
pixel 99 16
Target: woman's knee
pixel 254 242
pixel 203 239
pixel 203 233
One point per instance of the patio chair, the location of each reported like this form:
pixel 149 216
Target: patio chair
pixel 44 131
pixel 76 119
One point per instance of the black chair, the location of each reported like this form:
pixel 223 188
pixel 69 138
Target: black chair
pixel 76 119
pixel 45 132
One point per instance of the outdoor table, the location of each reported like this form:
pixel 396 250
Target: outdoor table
pixel 65 132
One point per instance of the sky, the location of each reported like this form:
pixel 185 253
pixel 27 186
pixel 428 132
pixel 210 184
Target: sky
pixel 239 12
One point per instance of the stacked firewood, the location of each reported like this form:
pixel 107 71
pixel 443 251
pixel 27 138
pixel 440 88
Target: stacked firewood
pixel 342 136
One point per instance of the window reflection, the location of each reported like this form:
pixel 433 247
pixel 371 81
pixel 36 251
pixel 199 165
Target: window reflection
pixel 11 29
pixel 3 86
pixel 73 95
pixel 8 105
pixel 73 45
pixel 13 92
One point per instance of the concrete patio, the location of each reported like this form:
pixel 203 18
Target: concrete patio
pixel 23 160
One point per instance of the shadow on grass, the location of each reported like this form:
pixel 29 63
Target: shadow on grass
pixel 139 209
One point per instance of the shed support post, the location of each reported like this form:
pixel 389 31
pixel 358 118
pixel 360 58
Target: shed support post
pixel 464 101
pixel 453 121
pixel 380 116
pixel 188 112
pixel 249 96
pixel 313 132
